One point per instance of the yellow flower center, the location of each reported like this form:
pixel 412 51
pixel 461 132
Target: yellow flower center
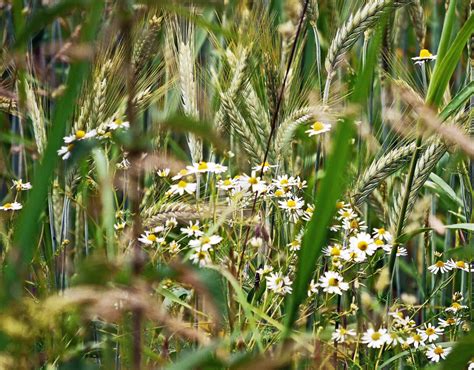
pixel 425 53
pixel 118 121
pixel 460 264
pixel 333 282
pixel 439 264
pixel 335 251
pixel 202 166
pixel 340 205
pixel 430 331
pixel 7 205
pixel 227 182
pixel 279 193
pixel 362 246
pixel 451 321
pixel 376 336
pixel 318 126
pixel 283 182
pixel 439 350
pixel 381 231
pixel 354 224
pixel 456 305
pixel 80 134
pixel 379 242
pixel 151 237
pixel 205 240
pixel 194 228
pixel 183 172
pixel 253 180
pixel 417 337
pixel 182 184
pixel 291 203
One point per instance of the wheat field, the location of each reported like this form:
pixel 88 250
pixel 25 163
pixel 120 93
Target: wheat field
pixel 236 184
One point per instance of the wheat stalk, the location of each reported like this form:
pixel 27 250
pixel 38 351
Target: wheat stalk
pixel 147 45
pixel 183 212
pixel 418 19
pixel 353 28
pixel 380 169
pixel 37 118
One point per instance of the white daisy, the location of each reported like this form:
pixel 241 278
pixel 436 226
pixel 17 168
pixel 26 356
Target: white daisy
pixel 150 238
pixel 436 353
pixel 279 283
pixel 252 182
pixel 332 282
pixel 363 243
pixel 164 172
pixel 440 266
pixel 19 185
pixel 416 340
pixel 381 233
pixel 65 151
pixel 182 173
pixel 318 128
pixel 15 206
pixel 118 123
pixel 375 339
pixel 201 257
pixel 205 242
pixel 333 251
pixel 455 307
pixel 423 57
pixel 341 335
pixel 183 186
pixel 283 182
pixel 79 135
pixel 293 207
pixel 430 333
pixel 192 229
pixel 460 265
pixel 266 269
pixel 313 288
pixel 263 166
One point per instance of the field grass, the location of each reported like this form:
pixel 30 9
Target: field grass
pixel 217 184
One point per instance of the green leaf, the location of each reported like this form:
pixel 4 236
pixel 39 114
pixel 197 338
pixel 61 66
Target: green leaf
pixel 461 354
pixel 465 226
pixel 458 101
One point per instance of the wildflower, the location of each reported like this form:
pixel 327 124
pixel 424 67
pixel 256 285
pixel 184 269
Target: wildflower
pixel 266 269
pixel 308 213
pixel 226 184
pixel 183 186
pixel 382 234
pixel 423 57
pixel 205 242
pixel 279 283
pixel 318 128
pixel 120 226
pixel 118 123
pixel 340 335
pixel 19 185
pixel 283 182
pixel 430 333
pixel 252 182
pixel 363 243
pixel 65 151
pixel 313 288
pixel 401 251
pixel 150 238
pixel 164 172
pixel 265 167
pixel 124 164
pixel 416 340
pixel 171 223
pixel 450 321
pixel 192 229
pixel 301 184
pixel 353 256
pixel 200 167
pixel 182 173
pixel 439 266
pixel 353 225
pixel 174 247
pixel 375 339
pixel 79 135
pixel 256 242
pixel 394 338
pixel 15 206
pixel 455 307
pixel 334 251
pixel 292 207
pixel 436 353
pixel 332 283
pixel 460 265
pixel 201 257
pixel 346 213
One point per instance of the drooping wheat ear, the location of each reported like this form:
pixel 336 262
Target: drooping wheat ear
pixel 7 105
pixel 246 138
pixel 347 35
pixel 380 169
pixel 287 128
pixel 418 19
pixel 37 118
pixel 377 205
pixel 425 165
pixel 147 45
pixel 183 212
pixel 239 66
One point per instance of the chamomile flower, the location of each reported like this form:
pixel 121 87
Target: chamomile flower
pixel 440 266
pixel 284 182
pixel 430 333
pixel 456 307
pixel 278 283
pixel 205 242
pixel 313 288
pixel 118 123
pixel 460 265
pixel 14 206
pixel 119 226
pixel 332 282
pixel 415 340
pixel 266 269
pixel 201 257
pixel 171 223
pixel 423 57
pixel 293 207
pixel 450 321
pixel 218 168
pixel 174 247
pixel 318 128
pixel 383 234
pixel 183 186
pixel 182 173
pixel 192 229
pixel 436 353
pixel 200 167
pixel 346 213
pixel 401 251
pixel 19 185
pixel 354 225
pixel 375 338
pixel 333 251
pixel 79 135
pixel 363 243
pixel 295 245
pixel 65 151
pixel 164 172
pixel 353 256
pixel 226 184
pixel 149 238
pixel 341 335
pixel 254 183
pixel 265 167
pixel 308 212
pixel 394 338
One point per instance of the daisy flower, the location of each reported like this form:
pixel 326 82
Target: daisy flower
pixel 363 243
pixel 65 151
pixel 333 283
pixel 279 283
pixel 295 245
pixel 401 251
pixel 382 234
pixel 313 288
pixel 79 135
pixel 205 242
pixel 182 186
pixel 430 333
pixel 192 229
pixel 19 185
pixel 375 339
pixel 346 213
pixel 118 123
pixel 201 257
pixel 265 167
pixel 440 266
pixel 333 251
pixel 354 225
pixel 15 206
pixel 292 206
pixel 252 182
pixel 423 57
pixel 266 269
pixel 353 256
pixel 200 167
pixel 318 128
pixel 394 338
pixel 436 353
pixel 450 321
pixel 150 238
pixel 283 182
pixel 416 340
pixel 164 172
pixel 460 265
pixel 174 247
pixel 182 173
pixel 226 184
pixel 341 335
pixel 455 307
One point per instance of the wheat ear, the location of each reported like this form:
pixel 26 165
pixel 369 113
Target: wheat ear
pixel 37 118
pixel 418 19
pixel 147 45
